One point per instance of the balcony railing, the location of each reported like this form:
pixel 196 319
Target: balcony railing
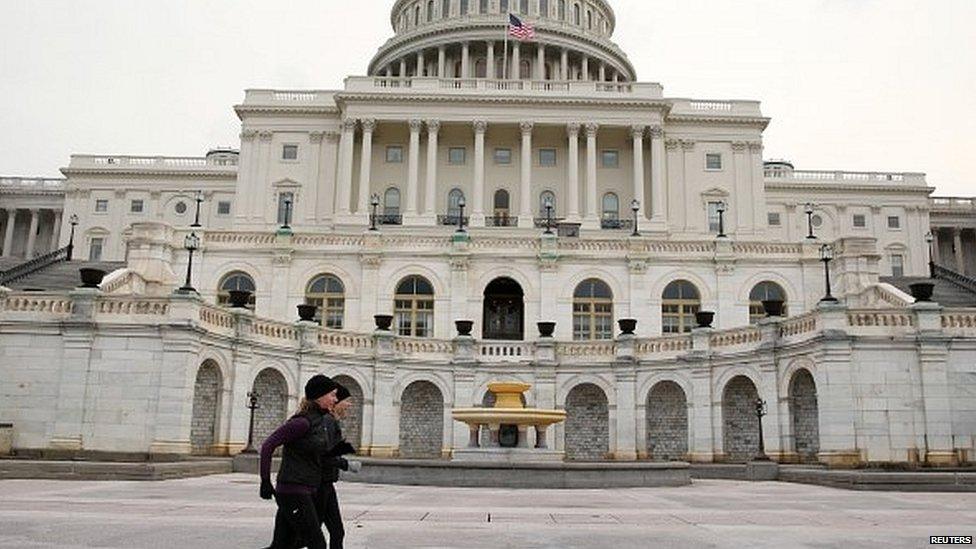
pixel 502 221
pixel 540 222
pixel 389 219
pixel 616 224
pixel 845 177
pixel 451 220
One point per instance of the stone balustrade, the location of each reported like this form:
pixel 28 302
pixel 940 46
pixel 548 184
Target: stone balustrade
pixel 826 176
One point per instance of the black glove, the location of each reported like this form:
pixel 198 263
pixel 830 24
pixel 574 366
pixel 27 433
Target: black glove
pixel 342 463
pixel 343 448
pixel 267 491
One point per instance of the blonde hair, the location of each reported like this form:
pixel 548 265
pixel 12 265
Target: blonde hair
pixel 305 406
pixel 339 411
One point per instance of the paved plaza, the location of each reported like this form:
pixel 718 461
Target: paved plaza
pixel 225 511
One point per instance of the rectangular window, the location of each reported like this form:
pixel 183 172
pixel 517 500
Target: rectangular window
pixel 289 152
pixel 894 222
pixel 502 6
pixel 524 7
pixel 394 154
pixel 136 206
pixel 95 249
pixel 286 208
pixel 101 205
pixel 543 8
pixel 860 221
pixel 713 161
pixel 483 6
pixel 455 156
pixel 610 159
pixel 897 265
pixel 223 208
pixel 547 157
pixel 774 220
pixel 464 7
pixel 713 218
pixel 503 156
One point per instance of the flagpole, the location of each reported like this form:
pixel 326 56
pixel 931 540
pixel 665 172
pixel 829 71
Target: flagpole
pixel 505 55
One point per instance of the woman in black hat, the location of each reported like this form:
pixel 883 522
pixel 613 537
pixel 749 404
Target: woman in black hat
pixel 307 437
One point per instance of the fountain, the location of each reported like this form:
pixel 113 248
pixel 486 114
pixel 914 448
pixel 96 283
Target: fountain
pixel 508 422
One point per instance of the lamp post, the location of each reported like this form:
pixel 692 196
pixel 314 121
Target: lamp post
pixel 722 207
pixel 252 404
pixel 374 201
pixel 191 243
pixel 827 255
pixel 548 206
pixel 635 207
pixel 761 410
pixel 73 220
pixel 287 220
pixel 461 204
pixel 808 209
pixel 930 239
pixel 196 221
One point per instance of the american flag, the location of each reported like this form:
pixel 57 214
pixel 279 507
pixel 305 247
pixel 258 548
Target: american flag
pixel 520 30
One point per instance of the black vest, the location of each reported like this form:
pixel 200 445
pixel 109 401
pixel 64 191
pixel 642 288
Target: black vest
pixel 301 460
pixel 330 468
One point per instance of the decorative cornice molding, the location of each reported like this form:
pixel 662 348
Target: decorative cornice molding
pixel 658 105
pixel 759 122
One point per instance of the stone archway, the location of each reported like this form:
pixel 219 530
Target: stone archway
pixel 805 416
pixel 740 432
pixel 272 391
pixel 504 311
pixel 667 422
pixel 206 408
pixel 587 427
pixel 352 424
pixel 421 421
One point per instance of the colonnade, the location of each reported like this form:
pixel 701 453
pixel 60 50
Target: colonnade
pixel 34 223
pixel 961 258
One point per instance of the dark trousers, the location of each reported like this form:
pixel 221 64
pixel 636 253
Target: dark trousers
pixel 297 519
pixel 327 507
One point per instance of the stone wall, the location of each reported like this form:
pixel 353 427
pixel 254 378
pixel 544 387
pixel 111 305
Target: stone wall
pixel 206 397
pixel 587 424
pixel 667 422
pixel 741 426
pixel 421 421
pixel 805 416
pixel 352 424
pixel 272 393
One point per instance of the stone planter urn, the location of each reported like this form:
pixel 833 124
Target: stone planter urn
pixel 306 313
pixel 922 291
pixel 704 318
pixel 546 329
pixel 464 327
pixel 91 278
pixel 627 326
pixel 383 322
pixel 239 298
pixel 773 307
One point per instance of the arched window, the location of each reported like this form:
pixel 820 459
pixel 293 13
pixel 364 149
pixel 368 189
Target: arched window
pixel 576 14
pixel 391 201
pixel 286 207
pixel 236 281
pixel 328 294
pixel 454 199
pixel 764 291
pixel 525 69
pixel 543 8
pixel 589 20
pixel 592 311
pixel 502 202
pixel 524 7
pixel 416 15
pixel 679 304
pixel 413 309
pixel 547 197
pixel 611 207
pixel 483 7
pixel 464 7
pixel 430 10
pixel 446 9
pixel 502 6
pixel 562 10
pixel 481 68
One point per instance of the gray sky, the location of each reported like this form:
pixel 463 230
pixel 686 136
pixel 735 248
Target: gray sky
pixel 882 85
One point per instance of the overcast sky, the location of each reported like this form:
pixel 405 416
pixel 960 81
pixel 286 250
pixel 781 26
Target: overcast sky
pixel 884 85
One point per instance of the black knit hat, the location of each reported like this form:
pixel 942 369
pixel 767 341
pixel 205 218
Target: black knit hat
pixel 341 393
pixel 319 386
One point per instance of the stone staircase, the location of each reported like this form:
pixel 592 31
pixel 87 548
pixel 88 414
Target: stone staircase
pixel 947 292
pixel 62 276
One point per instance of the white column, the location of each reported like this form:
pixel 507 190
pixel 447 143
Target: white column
pixel 478 206
pixel 626 447
pixel 420 63
pixel 440 61
pixel 603 72
pixel 8 236
pixel 465 61
pixel 32 234
pixel 572 132
pixel 403 67
pixel 514 69
pixel 430 196
pixel 56 231
pixel 585 69
pixel 592 219
pixel 389 71
pixel 525 160
pixel 365 166
pixel 490 63
pixel 659 184
pixel 957 250
pixel 413 168
pixel 346 144
pixel 637 134
pixel 540 61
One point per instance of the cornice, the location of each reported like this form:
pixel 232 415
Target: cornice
pixel 343 98
pixel 846 186
pixel 116 172
pixel 284 110
pixel 758 121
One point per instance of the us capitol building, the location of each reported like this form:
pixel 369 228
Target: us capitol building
pixel 456 181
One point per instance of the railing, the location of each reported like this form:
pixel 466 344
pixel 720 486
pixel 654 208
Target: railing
pixel 958 279
pixel 845 177
pixel 389 219
pixel 543 222
pixel 616 224
pixel 31 184
pixel 501 221
pixel 150 162
pixel 643 90
pixel 952 203
pixel 504 352
pixel 28 268
pixel 452 220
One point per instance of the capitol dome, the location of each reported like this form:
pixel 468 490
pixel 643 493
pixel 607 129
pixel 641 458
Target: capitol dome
pixel 466 39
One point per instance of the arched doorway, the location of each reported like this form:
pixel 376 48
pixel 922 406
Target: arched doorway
pixel 587 424
pixel 740 424
pixel 667 422
pixel 206 406
pixel 421 421
pixel 504 311
pixel 352 424
pixel 272 391
pixel 805 416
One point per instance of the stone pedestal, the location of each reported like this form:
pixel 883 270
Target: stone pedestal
pixel 507 455
pixel 762 470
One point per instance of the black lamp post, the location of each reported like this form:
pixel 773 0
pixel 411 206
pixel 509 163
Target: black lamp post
pixel 374 201
pixel 73 220
pixel 930 239
pixel 196 222
pixel 809 211
pixel 548 206
pixel 827 255
pixel 761 410
pixel 635 207
pixel 461 204
pixel 191 243
pixel 722 207
pixel 252 404
pixel 287 225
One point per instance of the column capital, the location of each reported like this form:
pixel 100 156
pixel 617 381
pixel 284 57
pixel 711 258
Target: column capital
pixel 433 126
pixel 415 125
pixel 688 145
pixel 315 137
pixel 591 129
pixel 656 132
pixel 265 135
pixel 480 126
pixel 348 124
pixel 332 137
pixel 573 129
pixel 672 144
pixel 526 127
pixel 368 124
pixel 637 131
pixel 755 146
pixel 739 147
pixel 248 135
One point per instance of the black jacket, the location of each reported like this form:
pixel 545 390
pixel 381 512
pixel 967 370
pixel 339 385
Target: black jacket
pixel 302 460
pixel 330 462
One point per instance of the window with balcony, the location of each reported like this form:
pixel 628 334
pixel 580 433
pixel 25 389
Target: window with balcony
pixel 524 7
pixel 502 6
pixel 454 199
pixel 413 310
pixel 391 207
pixel 592 311
pixel 327 294
pixel 547 197
pixel 483 6
pixel 679 303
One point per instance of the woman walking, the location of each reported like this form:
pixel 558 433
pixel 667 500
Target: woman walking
pixel 327 501
pixel 307 438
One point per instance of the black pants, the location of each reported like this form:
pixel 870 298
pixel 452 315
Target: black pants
pixel 327 507
pixel 297 517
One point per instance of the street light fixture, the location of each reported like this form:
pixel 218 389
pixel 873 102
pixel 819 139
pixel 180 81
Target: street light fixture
pixel 252 404
pixel 761 410
pixel 191 243
pixel 461 204
pixel 722 207
pixel 809 211
pixel 548 205
pixel 196 222
pixel 930 239
pixel 374 201
pixel 827 255
pixel 287 224
pixel 635 207
pixel 73 220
